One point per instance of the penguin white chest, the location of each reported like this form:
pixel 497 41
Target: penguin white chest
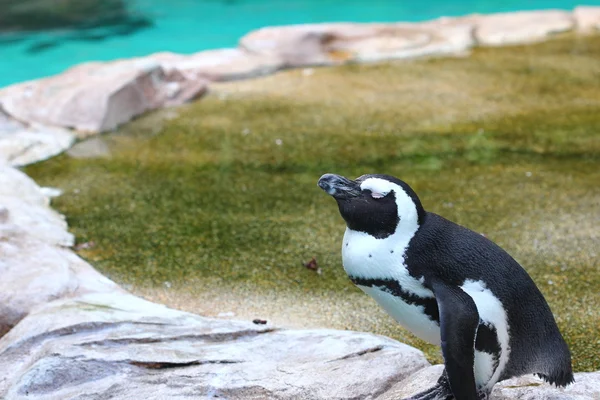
pixel 377 267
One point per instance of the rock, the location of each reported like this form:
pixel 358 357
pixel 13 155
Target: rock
pixel 27 209
pixel 587 18
pixel 35 273
pixel 518 27
pixel 219 65
pixel 416 383
pixel 117 346
pixel 96 96
pixel 42 223
pixel 17 184
pixel 35 269
pixel 528 387
pixel 22 145
pixel 336 43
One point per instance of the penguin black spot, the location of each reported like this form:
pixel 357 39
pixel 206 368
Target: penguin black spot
pixel 449 286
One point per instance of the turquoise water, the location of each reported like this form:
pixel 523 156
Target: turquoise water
pixel 187 26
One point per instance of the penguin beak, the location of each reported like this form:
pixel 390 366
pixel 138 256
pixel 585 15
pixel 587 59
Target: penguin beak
pixel 339 187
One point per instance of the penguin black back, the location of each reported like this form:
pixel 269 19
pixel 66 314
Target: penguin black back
pixel 536 343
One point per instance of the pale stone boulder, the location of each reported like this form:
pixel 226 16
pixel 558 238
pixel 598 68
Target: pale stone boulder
pixel 336 43
pixel 35 272
pixel 528 387
pixel 117 346
pixel 16 183
pixel 27 209
pixel 41 223
pixel 521 27
pixel 22 145
pixel 96 97
pixel 34 266
pixel 219 65
pixel 587 18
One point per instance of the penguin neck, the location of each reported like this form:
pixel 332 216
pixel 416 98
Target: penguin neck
pixel 365 256
pixel 394 246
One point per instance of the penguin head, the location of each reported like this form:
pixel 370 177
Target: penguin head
pixel 374 204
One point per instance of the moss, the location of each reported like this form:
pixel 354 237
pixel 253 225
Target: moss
pixel 223 197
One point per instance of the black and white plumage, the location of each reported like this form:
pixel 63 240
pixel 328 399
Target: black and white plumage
pixel 449 286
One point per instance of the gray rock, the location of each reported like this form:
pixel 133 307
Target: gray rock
pixel 34 266
pixel 417 382
pixel 96 97
pixel 337 43
pixel 28 211
pixel 528 387
pixel 218 65
pixel 22 145
pixel 117 346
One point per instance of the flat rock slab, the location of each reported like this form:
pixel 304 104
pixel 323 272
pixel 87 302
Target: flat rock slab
pixel 117 346
pixel 337 43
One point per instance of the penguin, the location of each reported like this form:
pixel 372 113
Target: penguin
pixel 449 286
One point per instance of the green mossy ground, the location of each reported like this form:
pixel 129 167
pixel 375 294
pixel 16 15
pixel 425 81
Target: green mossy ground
pixel 505 142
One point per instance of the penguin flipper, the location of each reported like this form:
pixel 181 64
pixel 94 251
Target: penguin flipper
pixel 459 320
